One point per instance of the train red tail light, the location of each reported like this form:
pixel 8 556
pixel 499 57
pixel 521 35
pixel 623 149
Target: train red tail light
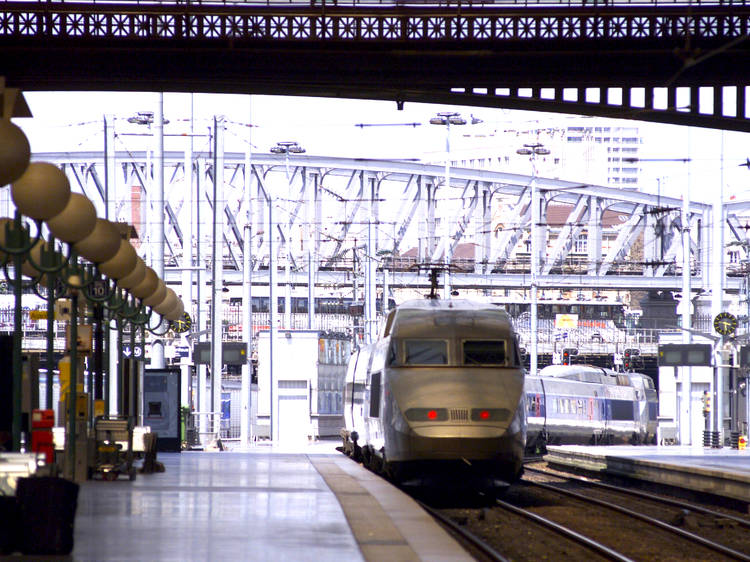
pixel 490 414
pixel 426 414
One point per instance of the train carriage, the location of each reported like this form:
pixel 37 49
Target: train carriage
pixel 582 404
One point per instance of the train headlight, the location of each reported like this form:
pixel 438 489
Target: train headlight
pixel 490 414
pixel 426 414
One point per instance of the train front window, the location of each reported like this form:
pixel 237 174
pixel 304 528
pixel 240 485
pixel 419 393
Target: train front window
pixel 484 352
pixel 425 352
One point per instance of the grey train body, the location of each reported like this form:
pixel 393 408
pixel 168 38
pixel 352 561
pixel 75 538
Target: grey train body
pixel 440 392
pixel 581 404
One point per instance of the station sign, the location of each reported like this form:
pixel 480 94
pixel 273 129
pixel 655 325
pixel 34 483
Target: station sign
pixel 38 314
pixel 685 355
pixel 136 353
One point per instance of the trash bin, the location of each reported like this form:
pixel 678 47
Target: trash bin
pixel 9 515
pixel 47 514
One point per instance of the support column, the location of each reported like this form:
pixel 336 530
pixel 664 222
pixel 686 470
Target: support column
pixel 217 274
pixel 157 225
pixel 312 219
pixel 371 265
pixel 247 298
pixel 201 319
pixel 717 281
pixel 686 427
pixel 273 317
pixel 189 218
pixel 594 236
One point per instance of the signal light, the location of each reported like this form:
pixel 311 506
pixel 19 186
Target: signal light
pixel 567 353
pixel 432 415
pixel 484 415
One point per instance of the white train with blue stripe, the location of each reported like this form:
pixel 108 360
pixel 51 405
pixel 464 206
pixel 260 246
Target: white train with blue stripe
pixel 440 392
pixel 582 404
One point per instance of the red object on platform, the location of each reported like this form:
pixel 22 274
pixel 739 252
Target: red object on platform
pixel 42 422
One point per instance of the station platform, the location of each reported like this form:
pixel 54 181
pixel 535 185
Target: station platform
pixel 724 472
pixel 265 503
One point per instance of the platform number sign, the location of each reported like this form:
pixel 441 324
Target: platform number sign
pixel 97 289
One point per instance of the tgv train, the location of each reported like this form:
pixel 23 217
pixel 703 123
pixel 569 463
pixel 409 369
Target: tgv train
pixel 440 392
pixel 581 404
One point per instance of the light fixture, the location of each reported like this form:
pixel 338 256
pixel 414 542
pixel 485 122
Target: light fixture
pixel 42 191
pixel 122 263
pixel 37 253
pixel 102 244
pixel 76 221
pixel 287 147
pixel 176 312
pixel 15 152
pixel 167 303
pixel 534 148
pixel 147 286
pixel 157 296
pixel 3 242
pixel 136 275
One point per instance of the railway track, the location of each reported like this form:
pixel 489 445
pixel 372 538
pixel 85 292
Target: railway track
pixel 722 532
pixel 576 519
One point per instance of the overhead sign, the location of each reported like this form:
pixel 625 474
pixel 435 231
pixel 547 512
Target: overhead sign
pixel 233 353
pixel 685 355
pixel 566 321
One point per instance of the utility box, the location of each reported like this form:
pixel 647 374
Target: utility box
pixel 161 406
pixel 307 380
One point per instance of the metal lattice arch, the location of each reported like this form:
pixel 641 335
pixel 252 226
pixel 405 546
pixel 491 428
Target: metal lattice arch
pixel 392 213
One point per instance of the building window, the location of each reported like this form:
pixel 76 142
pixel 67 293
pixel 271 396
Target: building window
pixel 580 244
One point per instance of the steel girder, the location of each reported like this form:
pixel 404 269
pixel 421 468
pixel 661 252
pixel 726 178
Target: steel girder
pixel 664 61
pixel 501 222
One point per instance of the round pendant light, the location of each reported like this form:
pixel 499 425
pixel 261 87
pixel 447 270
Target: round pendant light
pixel 176 313
pixel 15 152
pixel 136 275
pixel 102 244
pixel 122 263
pixel 146 287
pixel 157 296
pixel 76 221
pixel 168 302
pixel 42 191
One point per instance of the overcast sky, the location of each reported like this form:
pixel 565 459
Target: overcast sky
pixel 72 121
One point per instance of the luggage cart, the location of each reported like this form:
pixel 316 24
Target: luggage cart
pixel 113 449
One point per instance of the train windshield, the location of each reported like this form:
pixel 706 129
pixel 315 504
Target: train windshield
pixel 484 352
pixel 425 352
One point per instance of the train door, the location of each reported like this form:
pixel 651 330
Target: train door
pixel 373 407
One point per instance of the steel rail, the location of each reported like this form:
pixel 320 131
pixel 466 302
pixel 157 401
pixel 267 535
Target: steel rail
pixel 468 536
pixel 568 533
pixel 667 501
pixel 650 520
